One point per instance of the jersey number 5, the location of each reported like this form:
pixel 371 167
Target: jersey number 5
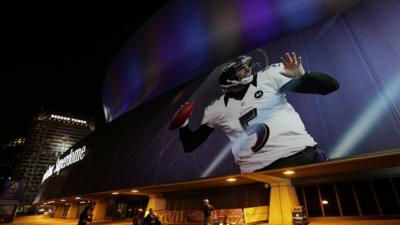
pixel 260 129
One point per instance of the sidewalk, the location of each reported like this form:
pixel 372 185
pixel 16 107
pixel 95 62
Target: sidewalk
pixel 44 220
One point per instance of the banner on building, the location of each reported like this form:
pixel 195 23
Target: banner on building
pixel 256 214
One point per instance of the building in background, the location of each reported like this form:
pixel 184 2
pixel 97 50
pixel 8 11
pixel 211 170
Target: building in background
pixel 10 152
pixel 50 134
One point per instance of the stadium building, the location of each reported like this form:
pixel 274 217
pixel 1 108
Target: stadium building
pixel 136 161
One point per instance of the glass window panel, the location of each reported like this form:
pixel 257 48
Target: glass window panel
pixel 313 203
pixel 299 191
pixel 346 198
pixel 386 197
pixel 328 194
pixel 396 182
pixel 366 197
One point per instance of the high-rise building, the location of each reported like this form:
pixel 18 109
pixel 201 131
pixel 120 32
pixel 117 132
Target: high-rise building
pixel 10 152
pixel 50 135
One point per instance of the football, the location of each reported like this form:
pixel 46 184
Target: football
pixel 183 113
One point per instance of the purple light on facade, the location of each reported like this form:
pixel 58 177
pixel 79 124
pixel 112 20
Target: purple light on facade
pixel 259 21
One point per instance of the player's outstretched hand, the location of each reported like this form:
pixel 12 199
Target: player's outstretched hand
pixel 181 117
pixel 293 67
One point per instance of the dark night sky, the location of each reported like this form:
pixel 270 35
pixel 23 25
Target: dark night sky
pixel 55 56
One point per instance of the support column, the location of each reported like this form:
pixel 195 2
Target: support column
pixel 156 202
pixel 59 210
pixel 72 211
pixel 283 198
pixel 100 210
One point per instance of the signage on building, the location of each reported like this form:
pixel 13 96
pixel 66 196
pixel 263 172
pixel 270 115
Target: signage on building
pixel 74 156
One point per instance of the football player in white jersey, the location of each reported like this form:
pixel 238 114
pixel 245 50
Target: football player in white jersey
pixel 265 130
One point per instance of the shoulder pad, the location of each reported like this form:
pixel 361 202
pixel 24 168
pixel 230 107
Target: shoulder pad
pixel 216 100
pixel 213 102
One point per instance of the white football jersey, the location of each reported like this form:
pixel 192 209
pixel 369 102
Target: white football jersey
pixel 262 103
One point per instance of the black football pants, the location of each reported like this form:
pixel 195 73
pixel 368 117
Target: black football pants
pixel 308 155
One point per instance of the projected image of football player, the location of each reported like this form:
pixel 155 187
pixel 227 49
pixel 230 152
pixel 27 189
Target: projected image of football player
pixel 265 130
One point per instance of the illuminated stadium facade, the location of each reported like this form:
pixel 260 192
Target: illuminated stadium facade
pixel 136 161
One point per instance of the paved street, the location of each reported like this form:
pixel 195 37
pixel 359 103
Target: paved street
pixel 42 220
